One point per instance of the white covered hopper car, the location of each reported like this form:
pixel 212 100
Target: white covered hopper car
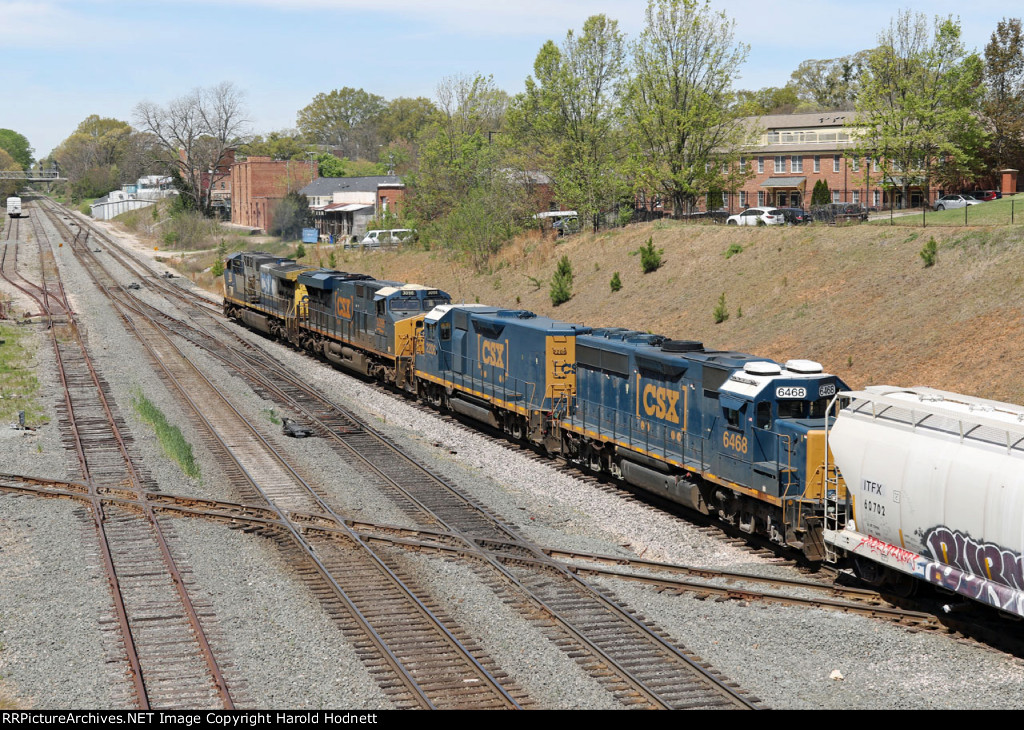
pixel 936 491
pixel 14 207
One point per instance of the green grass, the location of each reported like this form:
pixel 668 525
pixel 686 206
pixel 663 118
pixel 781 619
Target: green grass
pixel 990 213
pixel 171 439
pixel 18 385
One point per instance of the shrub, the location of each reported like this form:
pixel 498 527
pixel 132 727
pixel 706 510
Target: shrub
pixel 821 195
pixel 217 269
pixel 561 283
pixel 721 312
pixel 300 251
pixel 929 253
pixel 616 282
pixel 733 250
pixel 650 257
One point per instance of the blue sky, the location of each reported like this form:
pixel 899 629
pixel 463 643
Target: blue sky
pixel 63 60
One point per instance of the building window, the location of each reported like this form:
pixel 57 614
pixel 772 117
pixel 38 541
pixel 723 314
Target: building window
pixel 855 164
pixel 835 164
pixel 817 163
pixel 760 197
pixel 780 163
pixel 743 163
pixel 743 198
pixel 835 196
pixel 856 196
pixel 877 197
pixel 760 164
pixel 874 164
pixel 796 163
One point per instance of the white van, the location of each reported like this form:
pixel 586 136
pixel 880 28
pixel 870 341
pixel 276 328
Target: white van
pixel 385 237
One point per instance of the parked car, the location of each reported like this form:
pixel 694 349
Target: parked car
pixel 759 216
pixel 713 216
pixel 375 239
pixel 795 216
pixel 839 212
pixel 947 202
pixel 985 194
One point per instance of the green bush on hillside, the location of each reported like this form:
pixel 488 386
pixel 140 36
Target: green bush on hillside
pixel 561 283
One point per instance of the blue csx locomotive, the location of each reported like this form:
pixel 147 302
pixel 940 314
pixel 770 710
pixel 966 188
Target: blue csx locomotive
pixel 720 432
pixel 360 323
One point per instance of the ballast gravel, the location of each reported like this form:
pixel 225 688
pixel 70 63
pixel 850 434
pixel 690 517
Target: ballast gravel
pixel 291 655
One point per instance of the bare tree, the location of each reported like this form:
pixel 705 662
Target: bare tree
pixel 196 134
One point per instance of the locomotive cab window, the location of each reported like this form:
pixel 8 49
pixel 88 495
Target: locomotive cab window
pixel 764 415
pixel 733 418
pixel 405 305
pixel 792 408
pixel 446 330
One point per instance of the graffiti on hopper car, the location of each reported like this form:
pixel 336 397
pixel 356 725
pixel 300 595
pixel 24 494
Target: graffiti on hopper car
pixel 983 559
pixel 874 545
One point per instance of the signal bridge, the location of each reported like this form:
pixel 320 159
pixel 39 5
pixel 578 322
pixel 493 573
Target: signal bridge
pixel 31 175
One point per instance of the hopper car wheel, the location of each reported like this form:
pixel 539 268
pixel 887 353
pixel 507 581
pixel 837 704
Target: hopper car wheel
pixel 869 571
pixel 901 584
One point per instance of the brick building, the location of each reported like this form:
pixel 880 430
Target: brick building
pixel 259 183
pixel 791 152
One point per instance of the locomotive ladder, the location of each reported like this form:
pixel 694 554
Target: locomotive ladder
pixel 832 503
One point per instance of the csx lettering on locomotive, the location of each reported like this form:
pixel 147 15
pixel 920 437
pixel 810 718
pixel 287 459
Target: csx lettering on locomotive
pixel 492 353
pixel 661 403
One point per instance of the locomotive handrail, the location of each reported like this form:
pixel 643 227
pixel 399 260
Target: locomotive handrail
pixel 832 520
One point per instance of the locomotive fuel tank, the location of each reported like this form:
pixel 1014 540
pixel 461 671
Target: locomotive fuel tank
pixel 936 485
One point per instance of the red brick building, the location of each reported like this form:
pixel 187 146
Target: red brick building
pixel 259 183
pixel 791 152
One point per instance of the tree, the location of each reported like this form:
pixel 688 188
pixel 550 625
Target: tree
pixel 466 195
pixel 9 164
pixel 1003 102
pixel 829 84
pixel 195 135
pixel 331 165
pixel 650 257
pixel 561 282
pixel 404 119
pixel 683 128
pixel 918 102
pixel 344 119
pixel 16 145
pixel 101 155
pixel 283 145
pixel 769 100
pixel 569 113
pixel 291 215
pixel 821 195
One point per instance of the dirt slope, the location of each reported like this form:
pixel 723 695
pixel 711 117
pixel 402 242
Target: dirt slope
pixel 858 299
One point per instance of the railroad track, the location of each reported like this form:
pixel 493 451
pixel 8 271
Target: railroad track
pixel 159 623
pixel 357 583
pixel 605 638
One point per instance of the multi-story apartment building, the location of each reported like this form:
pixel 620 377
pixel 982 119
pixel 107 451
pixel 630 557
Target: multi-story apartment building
pixel 791 152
